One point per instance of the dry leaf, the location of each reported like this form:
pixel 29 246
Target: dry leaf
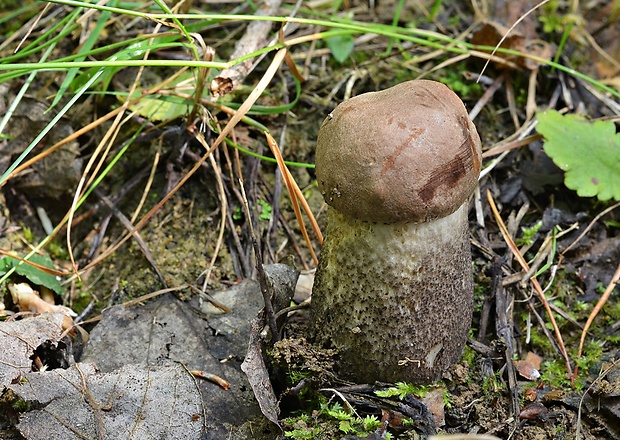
pixel 527 370
pixel 255 369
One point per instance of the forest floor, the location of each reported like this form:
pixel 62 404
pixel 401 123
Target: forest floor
pixel 161 249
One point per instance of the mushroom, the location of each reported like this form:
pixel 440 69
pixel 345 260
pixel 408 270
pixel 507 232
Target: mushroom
pixel 394 287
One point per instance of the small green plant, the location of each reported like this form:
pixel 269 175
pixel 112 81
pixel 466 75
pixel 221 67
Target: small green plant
pixel 349 422
pixel 551 17
pixel 302 433
pixel 492 384
pixel 35 275
pixel 346 420
pixel 57 250
pixel 265 210
pixel 341 47
pixel 237 214
pixel 554 374
pixel 612 224
pixel 528 234
pixel 469 356
pixel 371 423
pixel 20 405
pixel 447 400
pixel 296 376
pixel 465 89
pixel 592 353
pixel 28 234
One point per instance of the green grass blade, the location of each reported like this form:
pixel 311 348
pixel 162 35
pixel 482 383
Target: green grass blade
pixel 48 127
pixel 87 46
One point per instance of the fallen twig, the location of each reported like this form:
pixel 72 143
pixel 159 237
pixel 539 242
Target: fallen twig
pixel 262 277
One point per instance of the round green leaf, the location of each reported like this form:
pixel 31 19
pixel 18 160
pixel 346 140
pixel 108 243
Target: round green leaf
pixel 341 46
pixel 588 152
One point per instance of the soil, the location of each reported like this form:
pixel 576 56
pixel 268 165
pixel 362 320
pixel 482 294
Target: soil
pixel 488 392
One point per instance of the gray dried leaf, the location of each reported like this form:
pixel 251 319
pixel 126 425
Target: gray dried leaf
pixel 135 402
pixel 19 339
pixel 255 369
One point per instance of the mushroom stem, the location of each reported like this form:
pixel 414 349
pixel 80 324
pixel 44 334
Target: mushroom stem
pixel 395 300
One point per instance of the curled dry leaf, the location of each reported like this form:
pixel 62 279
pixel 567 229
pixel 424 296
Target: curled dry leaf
pixel 527 370
pixel 513 26
pixel 491 34
pixel 28 300
pixel 434 401
pixel 255 369
pixel 529 367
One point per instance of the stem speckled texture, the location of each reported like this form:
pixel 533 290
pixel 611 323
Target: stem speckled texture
pixel 395 300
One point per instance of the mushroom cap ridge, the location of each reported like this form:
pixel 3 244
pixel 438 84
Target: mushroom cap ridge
pixel 409 153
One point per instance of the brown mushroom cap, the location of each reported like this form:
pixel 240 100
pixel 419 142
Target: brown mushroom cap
pixel 406 154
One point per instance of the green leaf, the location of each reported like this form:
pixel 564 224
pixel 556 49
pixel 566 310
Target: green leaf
pixel 589 153
pixel 165 107
pixel 265 211
pixel 162 108
pixel 34 275
pixel 341 46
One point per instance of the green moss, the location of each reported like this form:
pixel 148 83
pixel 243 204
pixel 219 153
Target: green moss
pixel 492 384
pixel 591 355
pixel 57 250
pixel 465 89
pixel 528 234
pixel 402 389
pixel 20 405
pixel 539 341
pixel 302 433
pixel 469 356
pixel 553 373
pixel 330 421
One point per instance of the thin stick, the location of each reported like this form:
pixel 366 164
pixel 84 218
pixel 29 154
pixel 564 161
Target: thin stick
pixel 585 231
pixel 255 38
pixel 149 182
pixel 42 268
pixel 262 277
pixel 599 305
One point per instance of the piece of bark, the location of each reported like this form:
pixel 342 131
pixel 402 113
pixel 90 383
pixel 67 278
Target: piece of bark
pixel 255 38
